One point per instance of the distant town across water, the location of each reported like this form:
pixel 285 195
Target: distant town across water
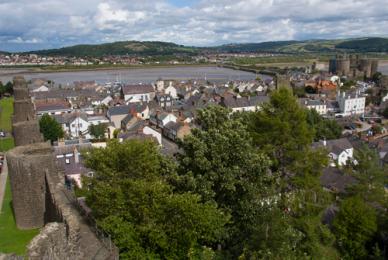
pixel 137 75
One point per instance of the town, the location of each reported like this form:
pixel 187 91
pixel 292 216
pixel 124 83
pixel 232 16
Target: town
pixel 193 130
pixel 349 102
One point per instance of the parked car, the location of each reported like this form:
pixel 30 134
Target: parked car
pixel 2 134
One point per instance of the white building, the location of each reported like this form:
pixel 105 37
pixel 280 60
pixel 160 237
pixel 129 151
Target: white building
pixel 340 151
pixel 171 90
pixel 137 93
pixel 351 103
pixel 318 105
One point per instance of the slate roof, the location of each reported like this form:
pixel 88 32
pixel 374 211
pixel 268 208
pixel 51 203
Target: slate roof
pixel 49 106
pixel 334 179
pixel 233 102
pixel 137 89
pixel 335 146
pixel 126 119
pixel 125 109
pixel 68 118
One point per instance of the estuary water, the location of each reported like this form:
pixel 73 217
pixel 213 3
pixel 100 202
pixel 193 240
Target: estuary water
pixel 135 75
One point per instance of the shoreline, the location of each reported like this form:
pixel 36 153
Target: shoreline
pixel 37 70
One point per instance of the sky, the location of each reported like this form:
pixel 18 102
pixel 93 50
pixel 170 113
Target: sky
pixel 43 24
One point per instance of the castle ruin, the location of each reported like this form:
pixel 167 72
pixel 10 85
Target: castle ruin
pixel 353 66
pixel 40 198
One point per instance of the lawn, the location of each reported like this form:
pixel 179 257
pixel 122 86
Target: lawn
pixel 6 110
pixel 6 144
pixel 12 240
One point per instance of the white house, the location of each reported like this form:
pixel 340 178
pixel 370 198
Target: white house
pixel 318 105
pixel 150 131
pixel 96 120
pixel 137 93
pixel 351 103
pixel 42 88
pixel 244 104
pixel 162 119
pixel 340 151
pixel 103 101
pixel 171 90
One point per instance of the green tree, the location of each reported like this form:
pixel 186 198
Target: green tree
pixel 133 201
pixel 281 129
pixel 9 87
pixel 50 128
pixel 98 131
pixel 354 225
pixel 323 128
pixel 220 164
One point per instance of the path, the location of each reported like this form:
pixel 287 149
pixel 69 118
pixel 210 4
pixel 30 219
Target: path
pixel 3 181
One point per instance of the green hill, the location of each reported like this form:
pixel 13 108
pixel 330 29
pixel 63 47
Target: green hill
pixel 172 49
pixel 120 48
pixel 365 45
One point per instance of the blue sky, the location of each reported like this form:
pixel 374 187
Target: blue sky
pixel 41 24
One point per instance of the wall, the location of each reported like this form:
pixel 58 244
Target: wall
pixel 40 198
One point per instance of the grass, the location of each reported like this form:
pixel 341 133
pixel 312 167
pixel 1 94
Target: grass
pixel 12 240
pixel 6 110
pixel 6 144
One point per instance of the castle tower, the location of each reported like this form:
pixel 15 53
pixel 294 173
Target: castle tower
pixel 28 166
pixel 25 126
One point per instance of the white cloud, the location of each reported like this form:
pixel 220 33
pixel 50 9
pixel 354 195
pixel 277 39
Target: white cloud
pixel 54 23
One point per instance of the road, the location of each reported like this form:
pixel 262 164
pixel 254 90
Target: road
pixel 3 181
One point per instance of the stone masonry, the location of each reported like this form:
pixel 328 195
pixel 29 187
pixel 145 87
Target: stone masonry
pixel 25 126
pixel 40 198
pixel 28 165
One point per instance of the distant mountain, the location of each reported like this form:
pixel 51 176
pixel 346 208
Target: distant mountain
pixel 167 48
pixel 120 48
pixel 365 45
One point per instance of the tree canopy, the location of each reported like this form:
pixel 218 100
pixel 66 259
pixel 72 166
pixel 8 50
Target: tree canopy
pixel 132 200
pixel 50 128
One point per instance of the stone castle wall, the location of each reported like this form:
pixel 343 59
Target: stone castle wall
pixel 40 198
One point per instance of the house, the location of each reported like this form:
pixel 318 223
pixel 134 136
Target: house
pixel 171 91
pixel 164 100
pixel 351 103
pixel 241 104
pixel 137 93
pixel 74 124
pixel 340 151
pixel 97 119
pixel 174 130
pixel 69 159
pixel 42 88
pixel 129 120
pixel 117 113
pixel 335 180
pixel 160 119
pixel 141 130
pixel 52 108
pixel 318 105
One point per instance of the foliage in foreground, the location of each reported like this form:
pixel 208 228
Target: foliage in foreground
pixel 50 128
pixel 133 202
pixel 244 186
